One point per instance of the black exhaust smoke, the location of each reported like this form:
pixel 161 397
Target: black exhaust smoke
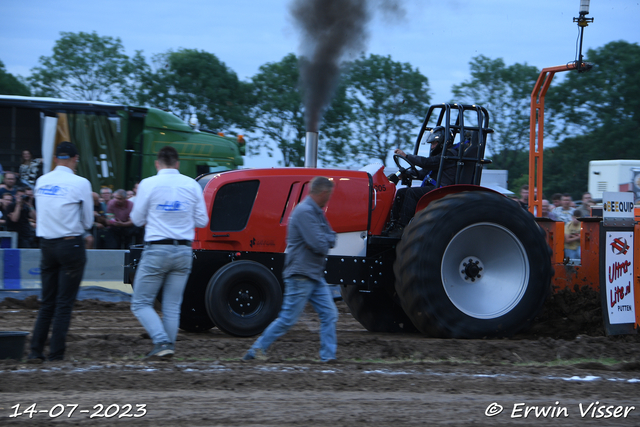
pixel 332 30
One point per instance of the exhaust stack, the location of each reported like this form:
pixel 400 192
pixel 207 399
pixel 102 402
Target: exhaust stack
pixel 311 150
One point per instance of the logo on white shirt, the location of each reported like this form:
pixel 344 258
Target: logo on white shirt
pixel 52 190
pixel 176 206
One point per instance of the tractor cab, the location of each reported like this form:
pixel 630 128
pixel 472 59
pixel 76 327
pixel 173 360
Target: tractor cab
pixel 467 127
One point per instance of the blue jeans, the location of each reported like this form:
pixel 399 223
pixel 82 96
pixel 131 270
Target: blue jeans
pixel 166 268
pixel 297 291
pixel 572 253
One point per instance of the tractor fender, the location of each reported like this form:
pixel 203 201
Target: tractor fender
pixel 441 192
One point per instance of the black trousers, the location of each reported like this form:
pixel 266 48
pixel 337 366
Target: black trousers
pixel 397 204
pixel 62 267
pixel 411 197
pixel 122 237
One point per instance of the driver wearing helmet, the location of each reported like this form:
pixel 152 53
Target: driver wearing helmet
pixel 406 201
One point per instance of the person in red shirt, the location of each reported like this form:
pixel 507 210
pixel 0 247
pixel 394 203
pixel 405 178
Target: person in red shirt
pixel 121 230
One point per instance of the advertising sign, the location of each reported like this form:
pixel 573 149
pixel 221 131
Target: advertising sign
pixel 619 277
pixel 617 205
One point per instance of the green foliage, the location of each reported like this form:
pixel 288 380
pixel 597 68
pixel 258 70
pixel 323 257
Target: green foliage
pixel 190 81
pixel 280 119
pixel 607 95
pixel 335 131
pixel 377 107
pixel 516 184
pixel 137 86
pixel 505 91
pixel 389 100
pixel 84 67
pixel 11 85
pixel 278 110
pixel 566 166
pixel 600 111
pixel 519 172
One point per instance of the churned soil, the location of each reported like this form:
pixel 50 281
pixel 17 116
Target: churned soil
pixel 554 373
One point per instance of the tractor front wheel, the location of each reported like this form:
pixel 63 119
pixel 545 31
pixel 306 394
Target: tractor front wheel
pixel 243 298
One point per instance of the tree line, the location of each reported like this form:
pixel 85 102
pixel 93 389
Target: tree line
pixel 378 105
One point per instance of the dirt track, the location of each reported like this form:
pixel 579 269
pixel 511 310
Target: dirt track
pixel 563 362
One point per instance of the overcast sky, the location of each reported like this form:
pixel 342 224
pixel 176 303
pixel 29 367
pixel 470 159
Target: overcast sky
pixel 437 37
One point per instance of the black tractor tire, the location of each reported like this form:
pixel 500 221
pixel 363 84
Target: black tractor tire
pixel 243 298
pixel 473 265
pixel 376 311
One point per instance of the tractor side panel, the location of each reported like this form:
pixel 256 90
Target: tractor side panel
pixel 348 208
pixel 268 209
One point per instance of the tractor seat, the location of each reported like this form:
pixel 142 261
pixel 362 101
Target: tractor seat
pixel 471 169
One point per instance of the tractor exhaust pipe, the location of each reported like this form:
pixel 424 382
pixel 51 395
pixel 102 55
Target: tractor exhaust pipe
pixel 311 150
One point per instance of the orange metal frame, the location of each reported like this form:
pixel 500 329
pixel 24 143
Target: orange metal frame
pixel 568 276
pixel 536 134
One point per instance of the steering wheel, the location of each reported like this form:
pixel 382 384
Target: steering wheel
pixel 406 167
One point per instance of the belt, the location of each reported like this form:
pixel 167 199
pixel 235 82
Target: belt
pixel 170 242
pixel 63 238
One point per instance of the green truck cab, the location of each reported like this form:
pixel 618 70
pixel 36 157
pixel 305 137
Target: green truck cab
pixel 117 144
pixel 200 151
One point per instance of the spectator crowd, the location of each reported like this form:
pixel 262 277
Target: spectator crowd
pixel 112 227
pixel 562 208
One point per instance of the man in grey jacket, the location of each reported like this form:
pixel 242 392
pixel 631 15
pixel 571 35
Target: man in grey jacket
pixel 309 238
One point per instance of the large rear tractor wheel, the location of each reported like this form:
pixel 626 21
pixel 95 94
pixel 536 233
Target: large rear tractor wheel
pixel 243 298
pixel 472 265
pixel 376 311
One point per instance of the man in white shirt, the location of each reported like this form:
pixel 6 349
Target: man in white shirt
pixel 65 210
pixel 170 206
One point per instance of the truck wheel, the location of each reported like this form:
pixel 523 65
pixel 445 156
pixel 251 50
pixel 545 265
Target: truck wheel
pixel 472 265
pixel 243 298
pixel 376 311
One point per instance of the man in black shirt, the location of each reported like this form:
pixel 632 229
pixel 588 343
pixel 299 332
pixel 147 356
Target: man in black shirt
pixel 9 183
pixel 18 216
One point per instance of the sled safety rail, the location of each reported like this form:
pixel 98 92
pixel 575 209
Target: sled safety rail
pixel 469 139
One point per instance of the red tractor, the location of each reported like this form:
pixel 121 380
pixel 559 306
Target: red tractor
pixel 472 263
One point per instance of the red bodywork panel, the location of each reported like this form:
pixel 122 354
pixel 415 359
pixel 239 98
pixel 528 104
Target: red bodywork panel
pixel 354 206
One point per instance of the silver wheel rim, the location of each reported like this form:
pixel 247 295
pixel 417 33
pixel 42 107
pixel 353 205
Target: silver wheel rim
pixel 496 260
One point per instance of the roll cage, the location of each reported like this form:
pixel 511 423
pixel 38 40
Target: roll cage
pixel 471 135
